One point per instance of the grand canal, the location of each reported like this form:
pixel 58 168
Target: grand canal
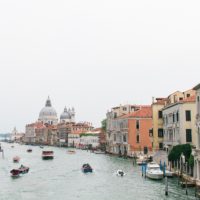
pixel 62 178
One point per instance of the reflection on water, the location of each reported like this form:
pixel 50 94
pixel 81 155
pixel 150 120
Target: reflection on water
pixel 62 178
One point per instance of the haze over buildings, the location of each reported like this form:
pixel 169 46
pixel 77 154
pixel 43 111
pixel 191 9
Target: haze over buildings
pixel 93 55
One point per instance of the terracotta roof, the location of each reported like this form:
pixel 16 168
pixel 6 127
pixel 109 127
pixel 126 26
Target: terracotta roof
pixel 160 101
pixel 189 99
pixel 144 112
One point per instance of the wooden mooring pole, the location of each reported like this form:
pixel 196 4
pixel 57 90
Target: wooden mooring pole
pixel 166 186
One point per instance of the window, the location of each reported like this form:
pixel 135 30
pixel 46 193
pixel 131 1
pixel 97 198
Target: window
pixel 160 114
pixel 198 98
pixel 173 117
pixel 188 115
pixel 177 116
pixel 124 108
pixel 124 138
pixel 115 115
pixel 160 146
pixel 138 139
pixel 151 132
pixel 114 137
pixel 188 95
pixel 160 132
pixel 188 135
pixel 181 98
pixel 137 124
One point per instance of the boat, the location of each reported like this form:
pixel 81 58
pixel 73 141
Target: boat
pixel 16 159
pixel 120 173
pixel 86 168
pixel 99 152
pixel 41 147
pixel 153 171
pixel 141 160
pixel 17 172
pixel 71 152
pixel 29 150
pixel 47 155
pixel 23 169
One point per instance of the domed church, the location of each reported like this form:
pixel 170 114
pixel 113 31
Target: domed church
pixel 48 114
pixel 68 115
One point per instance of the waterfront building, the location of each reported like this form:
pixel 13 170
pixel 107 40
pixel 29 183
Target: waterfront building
pixel 17 136
pixel 90 140
pixel 196 152
pixel 116 128
pixel 74 130
pixel 30 133
pixel 139 125
pixel 129 132
pixel 179 119
pixel 48 131
pixel 157 130
pixel 74 139
pixel 102 138
pixel 48 114
pixel 46 135
pixel 63 132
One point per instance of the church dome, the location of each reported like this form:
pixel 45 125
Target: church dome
pixel 65 115
pixel 48 113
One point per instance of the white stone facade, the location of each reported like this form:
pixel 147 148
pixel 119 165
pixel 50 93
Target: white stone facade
pixel 177 129
pixel 196 152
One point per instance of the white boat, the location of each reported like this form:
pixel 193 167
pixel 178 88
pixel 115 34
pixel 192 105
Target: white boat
pixel 120 173
pixel 141 160
pixel 99 152
pixel 153 171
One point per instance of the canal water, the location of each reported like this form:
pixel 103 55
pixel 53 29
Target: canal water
pixel 62 178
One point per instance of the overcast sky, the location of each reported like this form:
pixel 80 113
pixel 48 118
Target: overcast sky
pixel 93 55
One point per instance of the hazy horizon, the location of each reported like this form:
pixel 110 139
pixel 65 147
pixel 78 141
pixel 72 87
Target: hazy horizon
pixel 93 55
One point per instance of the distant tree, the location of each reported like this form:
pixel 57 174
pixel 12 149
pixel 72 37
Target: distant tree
pixel 104 124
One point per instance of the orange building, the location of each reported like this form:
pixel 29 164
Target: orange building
pixel 139 125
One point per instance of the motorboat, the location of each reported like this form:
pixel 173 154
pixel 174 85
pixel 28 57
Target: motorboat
pixel 86 168
pixel 71 152
pixel 141 160
pixel 41 147
pixel 120 173
pixel 21 170
pixel 47 155
pixel 99 152
pixel 16 159
pixel 153 171
pixel 29 150
pixel 15 173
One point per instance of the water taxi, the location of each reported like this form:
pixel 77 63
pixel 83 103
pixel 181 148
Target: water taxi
pixel 47 155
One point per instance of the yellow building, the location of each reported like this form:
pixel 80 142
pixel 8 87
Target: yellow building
pixel 157 131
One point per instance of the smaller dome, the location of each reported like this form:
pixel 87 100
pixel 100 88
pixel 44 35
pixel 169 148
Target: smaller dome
pixel 65 115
